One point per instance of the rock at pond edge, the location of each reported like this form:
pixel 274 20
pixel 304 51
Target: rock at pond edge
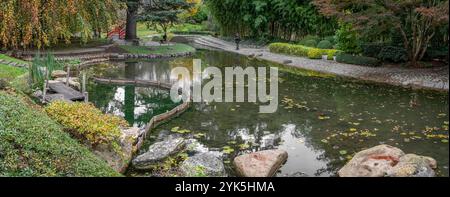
pixel 260 164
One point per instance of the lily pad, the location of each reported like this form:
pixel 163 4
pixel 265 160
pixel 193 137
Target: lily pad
pixel 244 146
pixel 227 150
pixel 343 152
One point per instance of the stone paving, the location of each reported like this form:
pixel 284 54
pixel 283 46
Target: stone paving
pixel 426 78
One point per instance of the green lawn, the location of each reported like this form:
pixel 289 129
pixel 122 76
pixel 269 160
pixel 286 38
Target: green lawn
pixel 11 59
pixel 32 144
pixel 10 72
pixel 158 50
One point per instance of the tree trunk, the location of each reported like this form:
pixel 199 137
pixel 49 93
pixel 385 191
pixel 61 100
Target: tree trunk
pixel 131 26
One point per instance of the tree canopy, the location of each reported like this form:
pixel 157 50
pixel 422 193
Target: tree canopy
pixel 41 23
pixel 165 13
pixel 276 18
pixel 415 21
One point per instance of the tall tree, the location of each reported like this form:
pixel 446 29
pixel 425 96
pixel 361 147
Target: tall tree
pixel 415 21
pixel 165 13
pixel 132 16
pixel 41 23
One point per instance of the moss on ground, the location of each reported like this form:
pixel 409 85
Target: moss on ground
pixel 31 144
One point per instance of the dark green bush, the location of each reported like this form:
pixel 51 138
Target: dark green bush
pixel 325 44
pixel 331 39
pixel 156 38
pixel 309 41
pixel 372 49
pixel 393 54
pixel 3 84
pixel 440 54
pixel 358 60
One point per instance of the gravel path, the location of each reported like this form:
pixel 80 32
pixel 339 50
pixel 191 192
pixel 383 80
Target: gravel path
pixel 429 78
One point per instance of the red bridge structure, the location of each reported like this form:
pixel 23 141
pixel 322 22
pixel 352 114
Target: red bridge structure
pixel 118 32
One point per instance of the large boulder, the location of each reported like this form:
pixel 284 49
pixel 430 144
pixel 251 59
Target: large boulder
pixel 120 160
pixel 203 164
pixel 59 74
pixel 260 164
pixel 385 160
pixel 158 152
pixel 73 82
pixel 413 166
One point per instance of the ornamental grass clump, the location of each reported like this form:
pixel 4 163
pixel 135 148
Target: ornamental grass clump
pixel 88 123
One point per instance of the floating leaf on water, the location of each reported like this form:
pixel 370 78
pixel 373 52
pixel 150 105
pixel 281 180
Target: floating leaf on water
pixel 407 140
pixel 324 141
pixel 446 122
pixel 349 157
pixel 175 129
pixel 232 109
pixel 343 152
pixel 353 129
pixel 232 142
pixel 227 150
pixel 227 162
pixel 322 117
pixel 199 135
pixel 444 141
pixel 244 146
pixel 356 123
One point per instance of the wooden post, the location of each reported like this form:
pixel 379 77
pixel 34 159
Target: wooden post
pixel 44 91
pixel 86 97
pixel 83 89
pixel 68 75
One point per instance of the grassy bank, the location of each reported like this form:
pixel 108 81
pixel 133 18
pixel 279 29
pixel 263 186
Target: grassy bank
pixel 31 144
pixel 158 50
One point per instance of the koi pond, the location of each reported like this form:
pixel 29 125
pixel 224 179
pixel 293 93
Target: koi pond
pixel 321 120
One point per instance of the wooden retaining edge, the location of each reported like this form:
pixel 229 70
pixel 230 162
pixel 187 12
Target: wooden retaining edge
pixel 156 120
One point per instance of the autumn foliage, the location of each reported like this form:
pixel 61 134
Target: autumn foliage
pixel 414 21
pixel 41 23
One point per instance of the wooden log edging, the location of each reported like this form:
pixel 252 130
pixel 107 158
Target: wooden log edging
pixel 156 120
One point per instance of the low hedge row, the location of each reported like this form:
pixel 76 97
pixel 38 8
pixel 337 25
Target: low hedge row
pixel 358 60
pixel 32 145
pixel 302 51
pixel 87 122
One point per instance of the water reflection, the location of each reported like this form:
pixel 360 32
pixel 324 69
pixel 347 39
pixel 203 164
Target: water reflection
pixel 321 122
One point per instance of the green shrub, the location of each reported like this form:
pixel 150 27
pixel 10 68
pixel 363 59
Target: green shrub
pixel 358 60
pixel 315 53
pixel 347 39
pixel 372 49
pixel 87 122
pixel 156 38
pixel 301 51
pixel 393 54
pixel 3 84
pixel 310 43
pixel 325 44
pixel 32 144
pixel 440 53
pixel 331 39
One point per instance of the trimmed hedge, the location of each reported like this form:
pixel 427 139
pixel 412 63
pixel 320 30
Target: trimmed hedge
pixel 325 44
pixel 87 122
pixel 358 60
pixel 302 51
pixel 393 54
pixel 32 144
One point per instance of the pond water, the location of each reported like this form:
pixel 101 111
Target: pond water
pixel 321 121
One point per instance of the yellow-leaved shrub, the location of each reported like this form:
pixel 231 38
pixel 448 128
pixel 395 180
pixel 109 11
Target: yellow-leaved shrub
pixel 87 122
pixel 302 51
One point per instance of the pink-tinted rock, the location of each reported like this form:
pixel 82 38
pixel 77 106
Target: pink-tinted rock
pixel 374 162
pixel 388 161
pixel 260 164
